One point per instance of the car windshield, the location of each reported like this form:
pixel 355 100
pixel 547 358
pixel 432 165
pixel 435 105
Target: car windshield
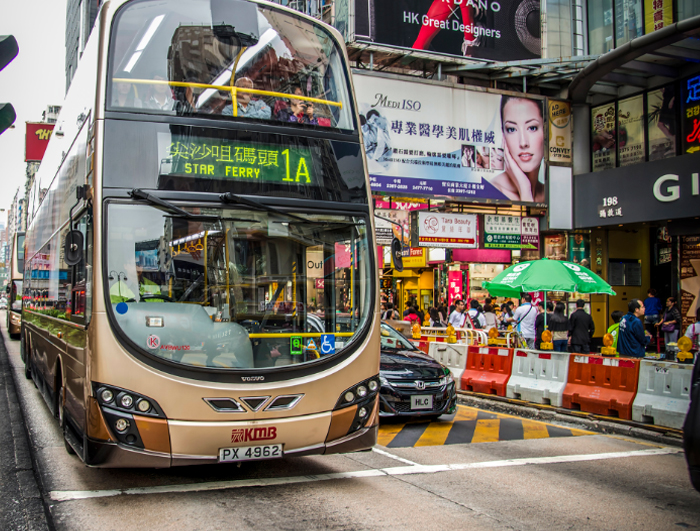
pixel 391 339
pixel 229 60
pixel 238 288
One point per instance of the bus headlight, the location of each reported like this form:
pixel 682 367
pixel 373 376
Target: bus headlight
pixel 107 396
pixel 121 425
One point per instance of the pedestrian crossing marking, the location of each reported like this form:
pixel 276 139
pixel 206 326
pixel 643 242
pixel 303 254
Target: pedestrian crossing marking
pixel 468 425
pixel 486 431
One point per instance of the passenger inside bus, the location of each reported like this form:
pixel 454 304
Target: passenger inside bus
pixel 125 94
pixel 161 95
pixel 247 106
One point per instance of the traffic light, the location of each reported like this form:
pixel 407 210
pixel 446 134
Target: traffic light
pixel 8 51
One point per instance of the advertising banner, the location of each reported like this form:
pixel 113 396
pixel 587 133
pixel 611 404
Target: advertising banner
pixel 560 127
pixel 690 278
pixel 454 286
pixel 446 230
pixel 530 233
pixel 555 246
pixel 386 231
pixel 630 130
pixel 657 14
pixel 690 114
pixel 661 123
pixel 450 142
pixel 603 137
pixel 580 250
pixel 37 138
pixel 503 30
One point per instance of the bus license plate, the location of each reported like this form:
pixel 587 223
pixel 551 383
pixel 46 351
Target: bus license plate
pixel 250 453
pixel 422 402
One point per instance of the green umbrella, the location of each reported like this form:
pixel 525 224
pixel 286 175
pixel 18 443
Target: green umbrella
pixel 546 275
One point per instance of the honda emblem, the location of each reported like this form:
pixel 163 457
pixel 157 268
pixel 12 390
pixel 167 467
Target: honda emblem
pixel 420 384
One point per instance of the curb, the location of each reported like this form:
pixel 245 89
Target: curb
pixel 657 434
pixel 32 501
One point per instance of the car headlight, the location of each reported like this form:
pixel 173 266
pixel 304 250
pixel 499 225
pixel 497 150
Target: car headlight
pixel 448 378
pixel 384 381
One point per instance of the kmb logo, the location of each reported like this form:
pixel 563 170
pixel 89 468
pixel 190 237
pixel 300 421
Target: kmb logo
pixel 253 434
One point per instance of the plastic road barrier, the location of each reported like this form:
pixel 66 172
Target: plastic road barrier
pixel 451 355
pixel 605 386
pixel 421 345
pixel 487 370
pixel 539 376
pixel 663 396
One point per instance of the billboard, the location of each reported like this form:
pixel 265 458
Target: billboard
pixel 560 132
pixel 434 229
pixel 37 138
pixel 630 130
pixel 657 14
pixel 603 120
pixel 503 30
pixel 451 143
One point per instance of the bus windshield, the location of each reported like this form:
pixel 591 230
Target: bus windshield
pixel 228 59
pixel 236 288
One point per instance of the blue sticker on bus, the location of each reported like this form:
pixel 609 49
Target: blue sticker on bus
pixel 122 308
pixel 327 344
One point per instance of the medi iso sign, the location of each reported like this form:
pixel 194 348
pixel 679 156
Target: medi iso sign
pixel 659 190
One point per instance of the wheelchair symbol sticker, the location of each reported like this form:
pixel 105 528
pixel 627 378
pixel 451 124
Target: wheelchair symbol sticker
pixel 327 344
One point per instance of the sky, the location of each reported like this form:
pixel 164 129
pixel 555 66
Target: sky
pixel 34 80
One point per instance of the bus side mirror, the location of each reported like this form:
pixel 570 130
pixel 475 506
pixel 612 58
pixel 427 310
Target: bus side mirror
pixel 397 254
pixel 73 248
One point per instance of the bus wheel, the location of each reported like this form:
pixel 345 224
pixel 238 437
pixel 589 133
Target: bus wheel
pixel 27 360
pixel 61 417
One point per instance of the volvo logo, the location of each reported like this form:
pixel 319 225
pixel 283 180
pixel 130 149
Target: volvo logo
pixel 253 378
pixel 420 384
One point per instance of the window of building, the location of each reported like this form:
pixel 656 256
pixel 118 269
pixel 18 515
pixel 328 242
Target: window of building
pixel 600 26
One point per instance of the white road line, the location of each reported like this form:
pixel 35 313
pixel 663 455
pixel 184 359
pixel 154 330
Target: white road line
pixel 68 495
pixel 392 456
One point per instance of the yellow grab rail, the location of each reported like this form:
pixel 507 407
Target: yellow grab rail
pixel 286 334
pixel 226 88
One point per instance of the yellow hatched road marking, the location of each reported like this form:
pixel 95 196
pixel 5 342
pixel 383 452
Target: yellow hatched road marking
pixel 486 430
pixel 435 434
pixel 534 430
pixel 387 433
pixel 578 433
pixel 465 413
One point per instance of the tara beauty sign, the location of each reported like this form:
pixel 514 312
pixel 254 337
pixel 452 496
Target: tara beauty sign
pixel 446 230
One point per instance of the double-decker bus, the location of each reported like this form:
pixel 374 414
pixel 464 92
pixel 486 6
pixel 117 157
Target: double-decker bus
pixel 14 286
pixel 200 275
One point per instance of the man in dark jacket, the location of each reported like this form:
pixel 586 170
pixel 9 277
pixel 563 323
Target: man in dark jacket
pixel 632 338
pixel 581 329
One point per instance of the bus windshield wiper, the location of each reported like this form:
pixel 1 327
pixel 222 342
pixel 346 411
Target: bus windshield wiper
pixel 230 197
pixel 137 193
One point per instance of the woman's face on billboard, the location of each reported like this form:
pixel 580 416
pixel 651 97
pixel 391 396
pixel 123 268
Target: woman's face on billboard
pixel 523 131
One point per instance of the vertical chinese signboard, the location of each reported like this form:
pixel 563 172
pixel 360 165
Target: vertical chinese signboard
pixel 454 286
pixel 560 125
pixel 661 123
pixel 603 137
pixel 530 233
pixel 630 130
pixel 690 114
pixel 657 14
pixel 690 278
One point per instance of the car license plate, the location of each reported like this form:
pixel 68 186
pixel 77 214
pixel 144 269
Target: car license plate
pixel 422 402
pixel 250 453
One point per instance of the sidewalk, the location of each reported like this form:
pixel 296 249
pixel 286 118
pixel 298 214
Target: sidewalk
pixel 21 505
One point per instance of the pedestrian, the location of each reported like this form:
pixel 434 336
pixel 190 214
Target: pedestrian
pixel 442 313
pixel 558 324
pixel 489 317
pixel 693 331
pixel 539 321
pixel 671 322
pixel 390 313
pixel 614 329
pixel 581 329
pixel 633 339
pixel 653 309
pixel 524 320
pixel 435 320
pixel 506 314
pixel 457 316
pixel 412 315
pixel 475 316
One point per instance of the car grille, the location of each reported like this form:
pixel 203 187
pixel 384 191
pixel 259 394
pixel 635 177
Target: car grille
pixel 411 384
pixel 405 406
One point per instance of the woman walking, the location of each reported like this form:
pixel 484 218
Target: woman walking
pixel 671 322
pixel 558 324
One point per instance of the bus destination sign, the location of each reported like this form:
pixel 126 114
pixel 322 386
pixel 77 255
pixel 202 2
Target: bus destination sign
pixel 206 158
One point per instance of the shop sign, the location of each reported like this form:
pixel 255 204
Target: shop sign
pixel 657 14
pixel 385 231
pixel 445 141
pixel 603 137
pixel 666 189
pixel 560 127
pixel 445 230
pixel 510 232
pixel 414 258
pixel 630 130
pixel 690 114
pixel 36 140
pixel 487 29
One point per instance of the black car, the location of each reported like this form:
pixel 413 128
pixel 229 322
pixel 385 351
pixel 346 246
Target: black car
pixel 413 383
pixel 691 429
